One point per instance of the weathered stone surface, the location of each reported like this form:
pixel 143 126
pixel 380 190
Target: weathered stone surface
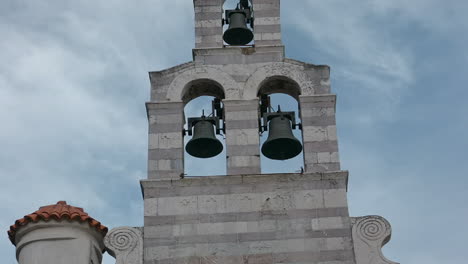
pixel 237 217
pixel 57 242
pixel 370 234
pixel 125 244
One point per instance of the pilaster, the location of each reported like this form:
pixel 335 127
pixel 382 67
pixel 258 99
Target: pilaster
pixel 319 133
pixel 165 141
pixel 208 26
pixel 242 139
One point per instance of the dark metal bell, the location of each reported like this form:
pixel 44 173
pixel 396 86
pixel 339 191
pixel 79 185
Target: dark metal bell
pixel 238 33
pixel 281 143
pixel 204 143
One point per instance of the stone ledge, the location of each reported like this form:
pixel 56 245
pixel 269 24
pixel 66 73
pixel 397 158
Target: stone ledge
pixel 244 179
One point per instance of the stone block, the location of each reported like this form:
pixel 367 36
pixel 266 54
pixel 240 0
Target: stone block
pixel 241 137
pixel 335 198
pixel 165 140
pixel 317 121
pixel 242 170
pixel 331 132
pixel 177 205
pixel 243 150
pixel 242 115
pixel 155 109
pixel 150 206
pixel 207 44
pixel 159 231
pixel 267 42
pixel 315 167
pixel 213 23
pixel 267 11
pixel 208 15
pixel 209 204
pixel 310 158
pixel 204 3
pixel 243 161
pixel 314 133
pixel 166 128
pixel 202 9
pixel 267 21
pixel 166 119
pixel 154 253
pixel 233 106
pixel 328 157
pixel 309 199
pixel 267 35
pixel 165 175
pixel 242 124
pixel 321 146
pixel 325 223
pixel 262 29
pixel 169 154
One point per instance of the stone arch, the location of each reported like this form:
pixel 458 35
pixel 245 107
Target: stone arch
pixel 278 71
pixel 200 87
pixel 279 84
pixel 198 74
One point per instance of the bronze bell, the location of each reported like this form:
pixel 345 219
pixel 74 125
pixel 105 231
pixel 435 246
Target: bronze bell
pixel 281 143
pixel 238 33
pixel 204 143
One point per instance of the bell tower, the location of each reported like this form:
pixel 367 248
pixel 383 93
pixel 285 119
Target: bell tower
pixel 246 216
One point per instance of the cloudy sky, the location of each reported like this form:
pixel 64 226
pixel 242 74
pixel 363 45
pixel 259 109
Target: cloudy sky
pixel 74 79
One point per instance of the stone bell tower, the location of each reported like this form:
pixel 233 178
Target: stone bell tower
pixel 246 216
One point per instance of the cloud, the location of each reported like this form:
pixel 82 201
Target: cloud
pixel 365 55
pixel 73 82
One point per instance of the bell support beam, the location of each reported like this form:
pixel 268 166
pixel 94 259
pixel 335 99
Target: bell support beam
pixel 319 133
pixel 242 140
pixel 166 143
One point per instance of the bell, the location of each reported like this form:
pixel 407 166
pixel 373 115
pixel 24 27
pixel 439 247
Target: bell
pixel 281 143
pixel 238 33
pixel 204 144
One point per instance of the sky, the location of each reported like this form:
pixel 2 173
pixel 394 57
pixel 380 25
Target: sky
pixel 74 79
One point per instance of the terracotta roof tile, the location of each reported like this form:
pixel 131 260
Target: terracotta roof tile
pixel 58 212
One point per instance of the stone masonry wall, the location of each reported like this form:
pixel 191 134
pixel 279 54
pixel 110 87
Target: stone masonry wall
pixel 267 29
pixel 208 26
pixel 240 72
pixel 281 218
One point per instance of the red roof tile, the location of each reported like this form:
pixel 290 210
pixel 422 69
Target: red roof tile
pixel 57 212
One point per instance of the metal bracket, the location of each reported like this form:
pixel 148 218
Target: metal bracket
pixel 244 7
pixel 217 110
pixel 266 115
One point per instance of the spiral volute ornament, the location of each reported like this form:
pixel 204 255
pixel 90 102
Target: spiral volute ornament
pixel 124 243
pixel 373 228
pixel 370 234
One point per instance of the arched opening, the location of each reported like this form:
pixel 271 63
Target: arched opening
pixel 282 92
pixel 201 87
pixel 198 97
pixel 239 29
pixel 279 84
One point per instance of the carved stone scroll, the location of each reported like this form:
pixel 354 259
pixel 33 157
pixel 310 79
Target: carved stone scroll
pixel 370 234
pixel 125 244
